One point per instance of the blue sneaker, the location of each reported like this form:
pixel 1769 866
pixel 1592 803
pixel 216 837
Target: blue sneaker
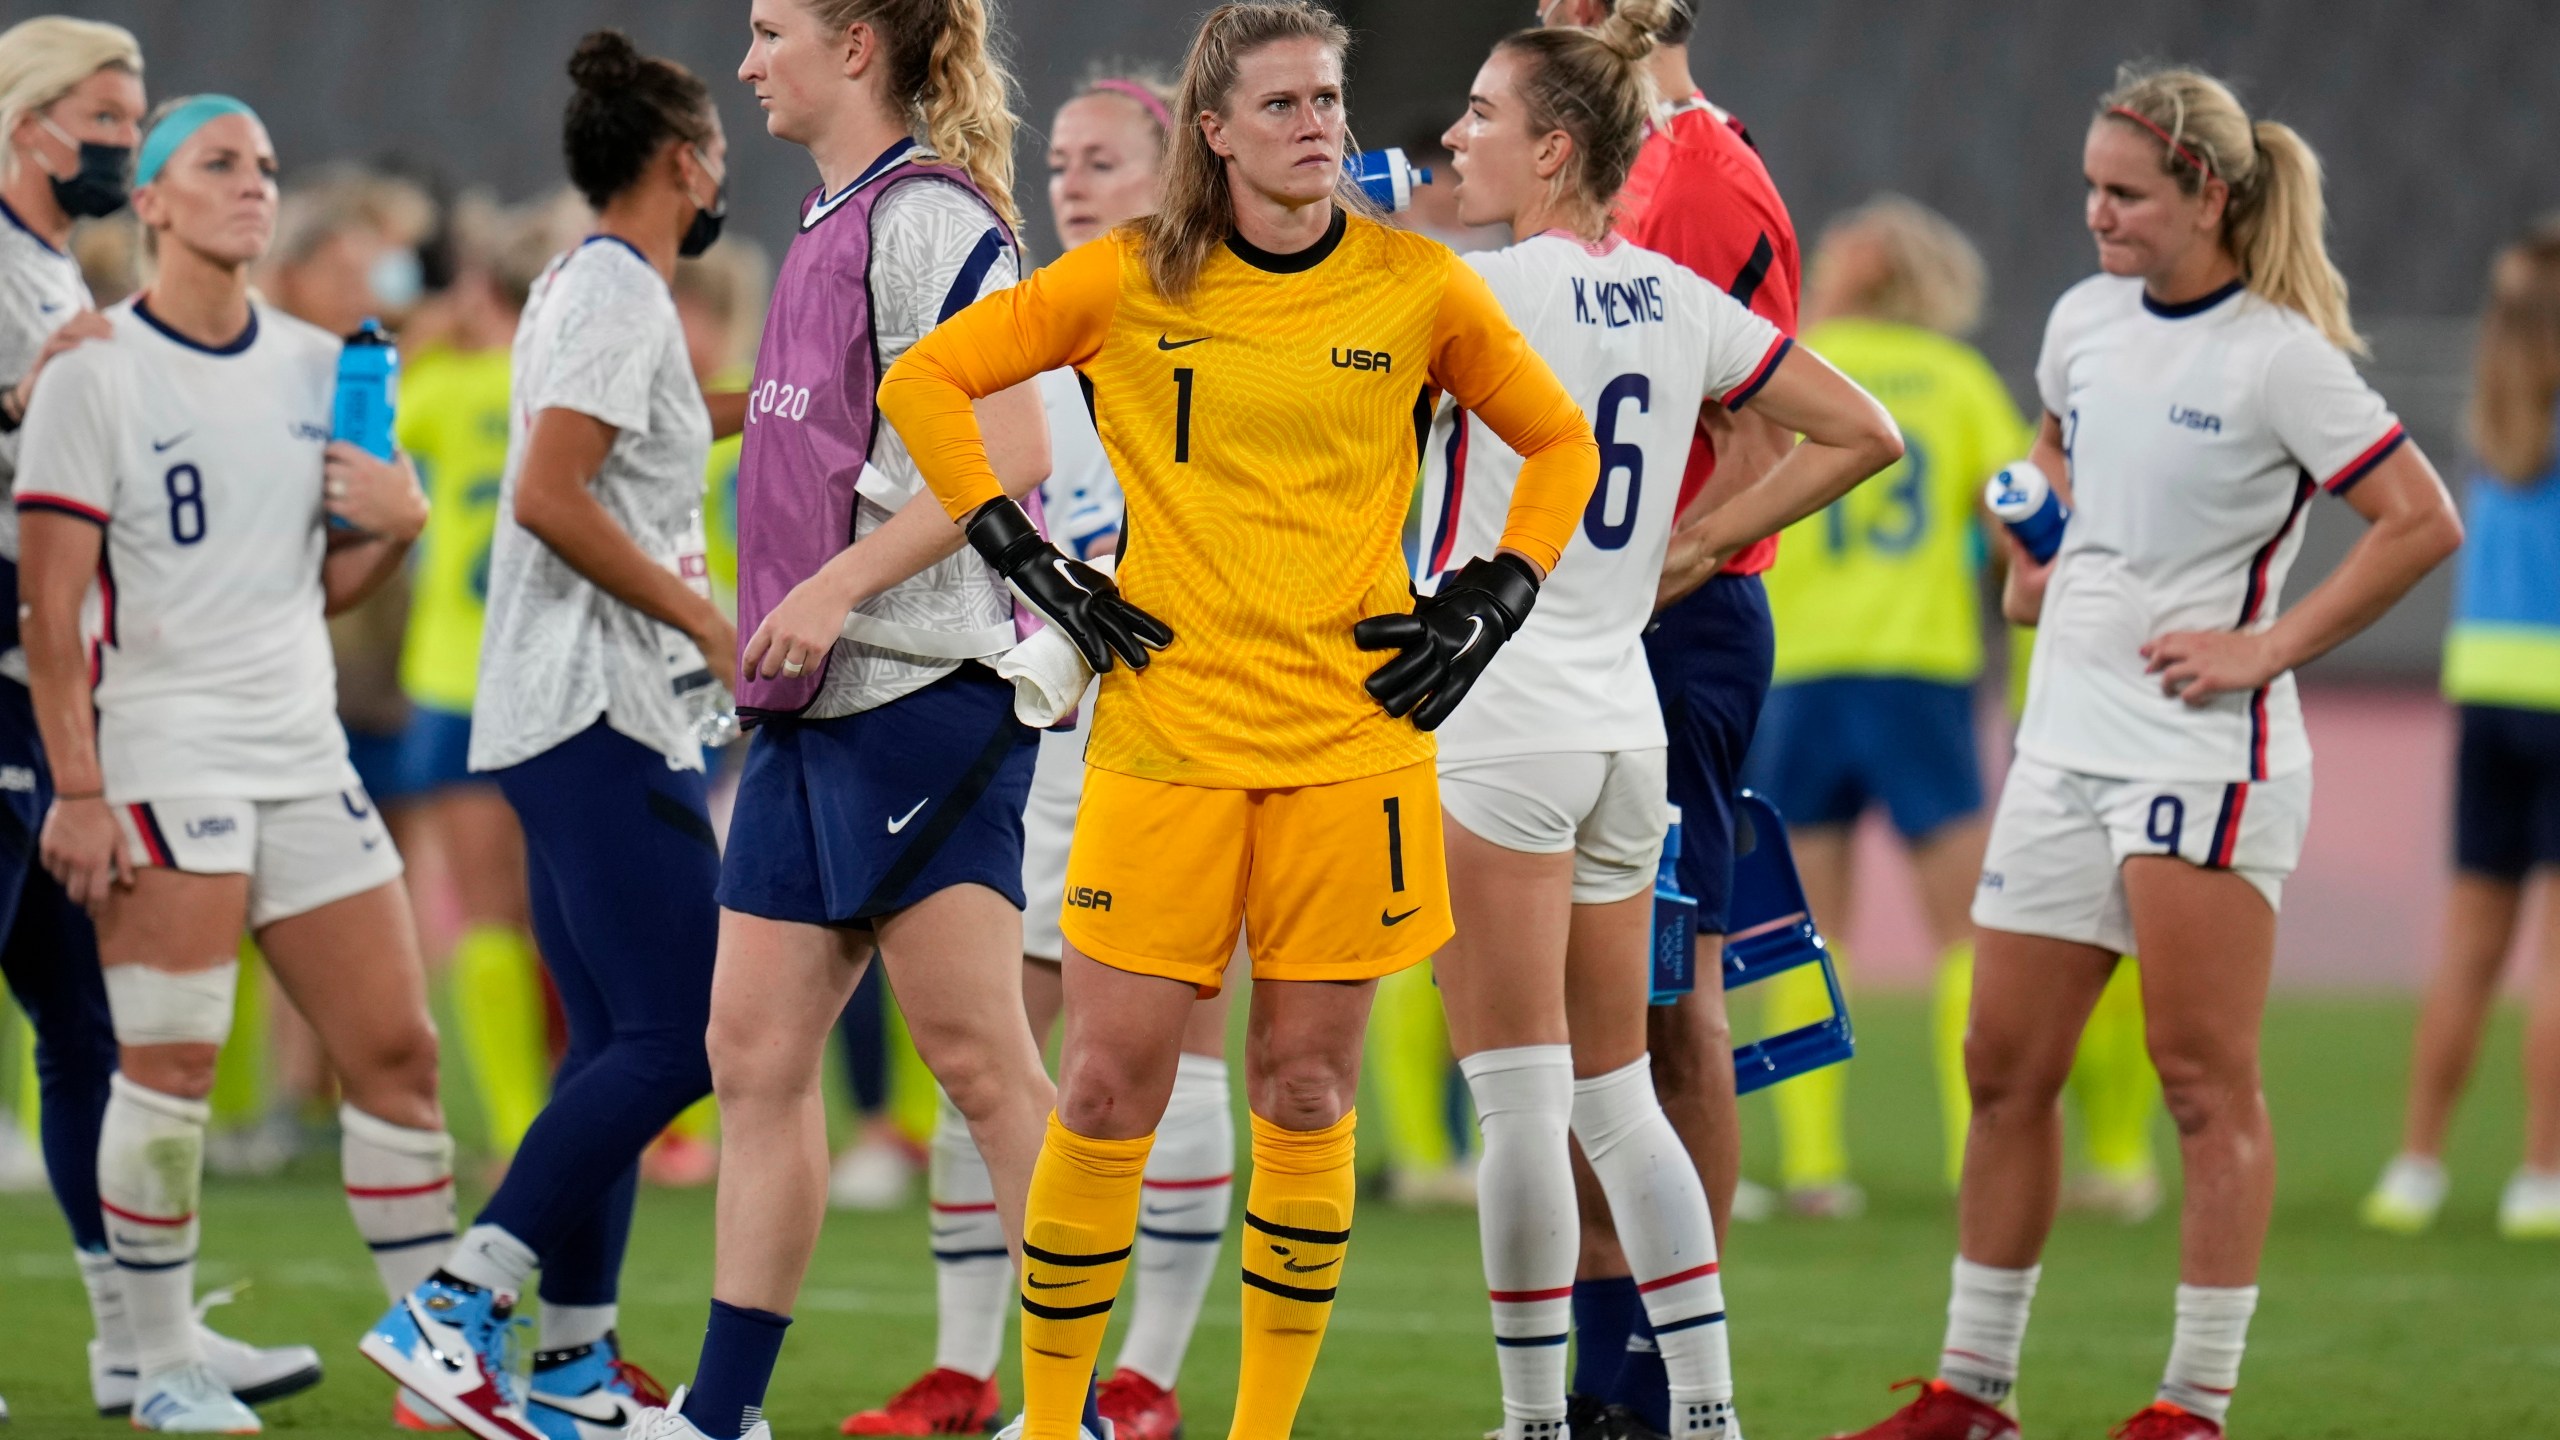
pixel 455 1345
pixel 589 1392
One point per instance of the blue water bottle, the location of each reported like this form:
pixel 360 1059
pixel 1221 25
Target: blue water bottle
pixel 1675 925
pixel 368 389
pixel 1387 176
pixel 2028 504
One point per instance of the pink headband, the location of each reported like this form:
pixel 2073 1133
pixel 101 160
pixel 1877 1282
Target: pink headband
pixel 1145 97
pixel 2147 123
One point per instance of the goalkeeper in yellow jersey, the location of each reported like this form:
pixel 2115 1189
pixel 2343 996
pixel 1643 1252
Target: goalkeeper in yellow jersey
pixel 1261 358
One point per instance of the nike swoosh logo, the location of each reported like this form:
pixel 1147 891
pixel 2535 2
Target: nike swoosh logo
pixel 1473 635
pixel 601 1407
pixel 1037 1283
pixel 901 822
pixel 1386 919
pixel 160 445
pixel 1166 342
pixel 1294 1268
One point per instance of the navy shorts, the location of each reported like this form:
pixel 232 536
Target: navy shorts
pixel 1830 748
pixel 1711 655
pixel 435 751
pixel 841 821
pixel 378 765
pixel 2506 802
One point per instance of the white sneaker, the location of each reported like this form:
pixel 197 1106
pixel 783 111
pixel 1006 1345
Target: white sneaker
pixel 1753 1202
pixel 191 1400
pixel 256 1374
pixel 873 1175
pixel 2405 1200
pixel 654 1423
pixel 2530 1210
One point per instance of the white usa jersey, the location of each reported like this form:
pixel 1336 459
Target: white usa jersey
pixel 40 288
pixel 209 652
pixel 1640 342
pixel 2196 436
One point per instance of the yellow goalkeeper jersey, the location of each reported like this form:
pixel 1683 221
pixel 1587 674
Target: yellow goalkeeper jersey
pixel 1267 432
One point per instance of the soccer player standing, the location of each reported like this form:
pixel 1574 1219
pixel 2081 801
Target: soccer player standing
pixel 71 106
pixel 171 494
pixel 2198 394
pixel 880 810
pixel 599 621
pixel 1107 148
pixel 1554 772
pixel 1262 363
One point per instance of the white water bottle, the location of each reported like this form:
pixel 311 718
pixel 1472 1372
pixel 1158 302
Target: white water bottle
pixel 711 711
pixel 2028 504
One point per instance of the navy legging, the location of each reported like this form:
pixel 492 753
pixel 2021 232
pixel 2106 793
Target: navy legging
pixel 622 862
pixel 51 958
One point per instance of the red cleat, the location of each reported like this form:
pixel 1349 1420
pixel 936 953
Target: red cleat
pixel 2161 1420
pixel 1138 1409
pixel 944 1402
pixel 1941 1412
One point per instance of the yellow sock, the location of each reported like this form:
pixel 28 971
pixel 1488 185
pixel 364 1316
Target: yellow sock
pixel 497 993
pixel 239 1075
pixel 2113 1083
pixel 1297 1226
pixel 915 1097
pixel 1408 1065
pixel 1078 1225
pixel 700 1120
pixel 1813 1140
pixel 1951 999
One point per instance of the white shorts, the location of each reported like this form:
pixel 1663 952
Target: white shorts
pixel 1609 808
pixel 2052 867
pixel 298 854
pixel 1048 824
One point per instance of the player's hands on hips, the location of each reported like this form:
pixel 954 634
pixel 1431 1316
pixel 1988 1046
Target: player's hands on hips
pixel 1080 600
pixel 380 497
pixel 797 634
pixel 83 850
pixel 1448 638
pixel 2198 666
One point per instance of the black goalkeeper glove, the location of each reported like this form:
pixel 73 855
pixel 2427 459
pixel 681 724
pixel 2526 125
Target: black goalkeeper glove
pixel 1449 638
pixel 1069 594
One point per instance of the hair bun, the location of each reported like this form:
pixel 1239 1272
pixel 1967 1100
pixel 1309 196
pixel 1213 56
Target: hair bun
pixel 605 60
pixel 1632 25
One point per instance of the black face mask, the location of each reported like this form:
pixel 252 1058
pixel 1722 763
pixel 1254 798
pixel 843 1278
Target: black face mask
pixel 704 232
pixel 98 186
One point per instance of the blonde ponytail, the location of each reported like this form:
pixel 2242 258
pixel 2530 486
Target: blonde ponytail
pixel 2515 378
pixel 943 67
pixel 2275 223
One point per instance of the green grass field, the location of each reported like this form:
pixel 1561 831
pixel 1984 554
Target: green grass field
pixel 2446 1338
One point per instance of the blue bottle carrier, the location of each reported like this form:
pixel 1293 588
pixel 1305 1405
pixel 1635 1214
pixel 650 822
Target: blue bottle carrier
pixel 1772 933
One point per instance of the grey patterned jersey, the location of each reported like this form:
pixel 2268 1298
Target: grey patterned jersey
pixel 922 237
pixel 40 287
pixel 599 336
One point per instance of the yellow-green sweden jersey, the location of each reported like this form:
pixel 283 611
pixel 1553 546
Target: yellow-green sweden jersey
pixel 453 424
pixel 1883 581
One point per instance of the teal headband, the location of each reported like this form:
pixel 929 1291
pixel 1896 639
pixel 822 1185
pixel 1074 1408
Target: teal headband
pixel 172 131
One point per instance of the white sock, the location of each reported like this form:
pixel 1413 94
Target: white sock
pixel 1669 1236
pixel 972 1270
pixel 2204 1356
pixel 494 1259
pixel 1986 1328
pixel 150 1176
pixel 105 1284
pixel 400 1190
pixel 1182 1217
pixel 1526 1221
pixel 566 1327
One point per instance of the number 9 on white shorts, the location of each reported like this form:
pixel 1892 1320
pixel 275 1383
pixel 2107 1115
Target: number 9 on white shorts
pixel 2052 867
pixel 299 854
